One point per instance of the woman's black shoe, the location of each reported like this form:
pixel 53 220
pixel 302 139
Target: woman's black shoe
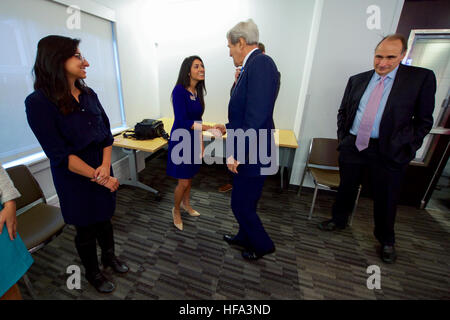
pixel 117 265
pixel 99 282
pixel 388 254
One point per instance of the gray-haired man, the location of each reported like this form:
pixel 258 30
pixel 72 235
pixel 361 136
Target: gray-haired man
pixel 250 108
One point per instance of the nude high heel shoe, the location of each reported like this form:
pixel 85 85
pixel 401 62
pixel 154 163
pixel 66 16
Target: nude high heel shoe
pixel 193 213
pixel 179 226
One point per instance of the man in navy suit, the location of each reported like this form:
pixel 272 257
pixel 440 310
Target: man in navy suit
pixel 383 118
pixel 249 135
pixel 229 186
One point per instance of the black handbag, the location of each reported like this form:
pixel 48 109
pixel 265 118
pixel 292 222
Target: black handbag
pixel 147 129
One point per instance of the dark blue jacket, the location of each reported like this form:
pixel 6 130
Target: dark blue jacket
pixel 251 107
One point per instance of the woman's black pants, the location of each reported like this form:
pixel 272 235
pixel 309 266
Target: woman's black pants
pixel 85 242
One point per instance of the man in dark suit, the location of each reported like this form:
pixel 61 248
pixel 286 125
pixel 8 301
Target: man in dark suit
pixel 228 186
pixel 250 111
pixel 383 118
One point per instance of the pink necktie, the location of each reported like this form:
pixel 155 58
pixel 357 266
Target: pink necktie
pixel 366 125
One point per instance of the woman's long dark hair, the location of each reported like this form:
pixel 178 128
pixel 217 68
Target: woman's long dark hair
pixel 50 74
pixel 185 80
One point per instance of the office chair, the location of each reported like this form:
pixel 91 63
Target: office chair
pixel 323 166
pixel 37 222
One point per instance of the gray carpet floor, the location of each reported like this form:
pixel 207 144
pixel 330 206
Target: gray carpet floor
pixel 197 264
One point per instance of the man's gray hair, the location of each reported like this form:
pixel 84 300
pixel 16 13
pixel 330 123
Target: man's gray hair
pixel 247 30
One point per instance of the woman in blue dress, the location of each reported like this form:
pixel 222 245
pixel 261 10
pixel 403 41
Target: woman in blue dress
pixel 70 124
pixel 14 257
pixel 186 145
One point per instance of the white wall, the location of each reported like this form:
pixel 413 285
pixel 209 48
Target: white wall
pixel 138 61
pixel 285 28
pixel 345 47
pixel 200 28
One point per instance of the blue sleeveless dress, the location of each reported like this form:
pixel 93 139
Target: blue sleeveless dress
pixel 14 260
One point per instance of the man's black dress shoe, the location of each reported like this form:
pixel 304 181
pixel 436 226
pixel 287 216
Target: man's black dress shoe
pixel 388 254
pixel 99 282
pixel 117 265
pixel 329 225
pixel 231 240
pixel 252 256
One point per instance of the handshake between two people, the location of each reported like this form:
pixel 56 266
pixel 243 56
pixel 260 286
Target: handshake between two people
pixel 103 178
pixel 218 130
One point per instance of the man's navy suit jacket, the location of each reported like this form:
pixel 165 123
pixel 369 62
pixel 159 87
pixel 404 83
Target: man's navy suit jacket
pixel 251 107
pixel 407 117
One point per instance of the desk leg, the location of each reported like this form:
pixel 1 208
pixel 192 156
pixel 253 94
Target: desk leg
pixel 287 156
pixel 133 181
pixel 291 162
